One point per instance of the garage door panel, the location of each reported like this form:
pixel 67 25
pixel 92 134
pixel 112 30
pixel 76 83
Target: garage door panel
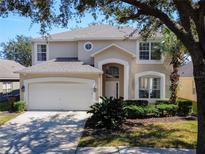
pixel 60 96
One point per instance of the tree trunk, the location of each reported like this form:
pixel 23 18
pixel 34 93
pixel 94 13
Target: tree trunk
pixel 199 75
pixel 174 78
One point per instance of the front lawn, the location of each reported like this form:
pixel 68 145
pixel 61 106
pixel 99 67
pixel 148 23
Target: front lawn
pixel 6 116
pixel 169 132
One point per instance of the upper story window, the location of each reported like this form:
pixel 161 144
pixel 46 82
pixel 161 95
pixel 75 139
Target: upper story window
pixel 149 51
pixel 88 46
pixel 41 52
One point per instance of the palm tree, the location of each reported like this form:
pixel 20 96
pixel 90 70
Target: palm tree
pixel 174 48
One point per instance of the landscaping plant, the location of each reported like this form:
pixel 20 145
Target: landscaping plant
pixel 136 102
pixel 184 107
pixel 108 114
pixel 19 106
pixel 167 109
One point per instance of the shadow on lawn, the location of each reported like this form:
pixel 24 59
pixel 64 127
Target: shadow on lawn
pixel 53 134
pixel 150 135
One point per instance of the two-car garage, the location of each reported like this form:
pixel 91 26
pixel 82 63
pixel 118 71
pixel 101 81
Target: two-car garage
pixel 55 85
pixel 60 96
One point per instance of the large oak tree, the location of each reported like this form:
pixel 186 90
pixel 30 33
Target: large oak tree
pixel 185 18
pixel 18 49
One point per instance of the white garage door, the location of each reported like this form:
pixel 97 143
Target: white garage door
pixel 60 96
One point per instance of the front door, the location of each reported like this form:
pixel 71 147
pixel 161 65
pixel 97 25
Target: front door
pixel 113 80
pixel 112 89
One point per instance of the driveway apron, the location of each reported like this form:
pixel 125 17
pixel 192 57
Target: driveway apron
pixel 43 132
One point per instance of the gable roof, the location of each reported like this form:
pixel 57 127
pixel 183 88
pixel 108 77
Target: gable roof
pixel 113 45
pixel 8 69
pixel 96 32
pixel 59 67
pixel 186 70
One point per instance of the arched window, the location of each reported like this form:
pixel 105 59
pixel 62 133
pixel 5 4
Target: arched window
pixel 112 72
pixel 150 85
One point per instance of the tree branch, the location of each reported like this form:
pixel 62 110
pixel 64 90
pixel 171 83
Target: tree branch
pixel 164 18
pixel 131 16
pixel 201 23
pixel 183 10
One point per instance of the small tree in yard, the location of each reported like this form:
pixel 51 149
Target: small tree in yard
pixel 174 48
pixel 185 18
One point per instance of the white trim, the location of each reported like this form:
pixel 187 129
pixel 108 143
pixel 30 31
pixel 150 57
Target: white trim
pixel 126 71
pixel 113 45
pixel 35 52
pixel 138 61
pixel 87 49
pixel 56 79
pixel 162 86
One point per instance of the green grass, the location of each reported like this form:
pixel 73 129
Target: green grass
pixel 5 117
pixel 180 134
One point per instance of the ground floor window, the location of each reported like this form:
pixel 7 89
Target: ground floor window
pixel 149 87
pixel 7 87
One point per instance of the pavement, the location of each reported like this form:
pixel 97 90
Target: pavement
pixel 43 132
pixel 59 132
pixel 132 150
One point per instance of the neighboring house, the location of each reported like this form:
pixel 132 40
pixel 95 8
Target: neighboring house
pixel 71 70
pixel 9 81
pixel 187 87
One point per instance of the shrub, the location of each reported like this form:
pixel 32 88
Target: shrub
pixel 151 110
pixel 136 102
pixel 108 114
pixel 162 102
pixel 5 106
pixel 19 106
pixel 134 111
pixel 184 107
pixel 167 109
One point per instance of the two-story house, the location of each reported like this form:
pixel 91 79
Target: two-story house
pixel 71 70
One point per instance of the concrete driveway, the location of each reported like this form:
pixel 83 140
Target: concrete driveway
pixel 43 132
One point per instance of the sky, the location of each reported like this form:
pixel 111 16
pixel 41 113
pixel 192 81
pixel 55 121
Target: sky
pixel 16 25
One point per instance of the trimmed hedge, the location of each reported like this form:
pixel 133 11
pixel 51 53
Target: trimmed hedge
pixel 167 109
pixel 184 107
pixel 5 106
pixel 12 106
pixel 162 102
pixel 136 102
pixel 134 111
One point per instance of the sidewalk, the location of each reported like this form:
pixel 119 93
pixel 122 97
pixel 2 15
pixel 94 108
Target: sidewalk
pixel 132 150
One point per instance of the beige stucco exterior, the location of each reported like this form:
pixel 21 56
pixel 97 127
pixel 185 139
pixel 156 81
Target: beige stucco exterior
pixel 134 68
pixel 121 52
pixel 187 88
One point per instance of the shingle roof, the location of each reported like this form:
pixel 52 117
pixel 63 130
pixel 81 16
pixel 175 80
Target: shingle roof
pixel 57 67
pixel 97 32
pixel 186 70
pixel 8 69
